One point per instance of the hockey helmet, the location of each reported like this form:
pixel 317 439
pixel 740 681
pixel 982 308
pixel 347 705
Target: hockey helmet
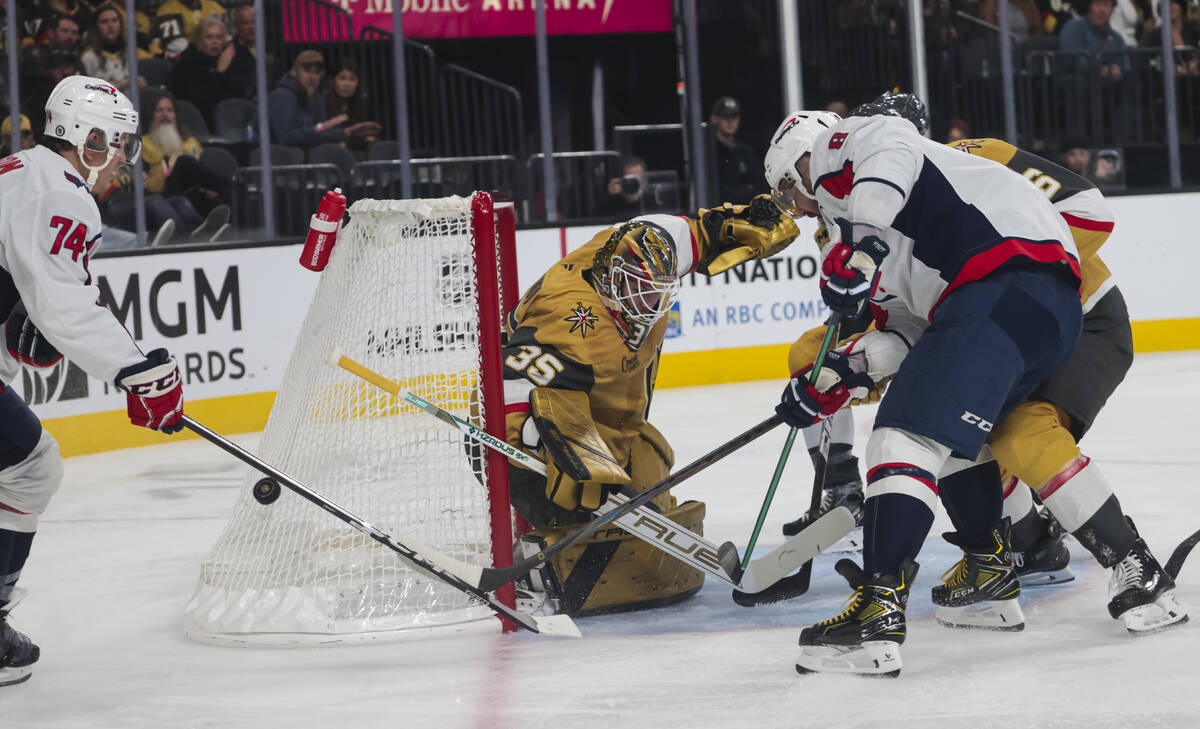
pixel 637 270
pixel 92 114
pixel 791 141
pixel 904 105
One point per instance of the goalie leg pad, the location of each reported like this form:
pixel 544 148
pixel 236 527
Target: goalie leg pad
pixel 612 571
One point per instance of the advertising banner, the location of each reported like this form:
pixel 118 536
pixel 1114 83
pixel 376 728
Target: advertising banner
pixel 481 18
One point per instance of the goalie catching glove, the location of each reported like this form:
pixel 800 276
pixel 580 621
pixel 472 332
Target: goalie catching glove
pixel 153 392
pixel 737 233
pixel 804 404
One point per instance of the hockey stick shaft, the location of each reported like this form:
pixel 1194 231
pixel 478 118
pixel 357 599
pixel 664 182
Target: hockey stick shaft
pixel 1180 555
pixel 654 529
pixel 409 554
pixel 828 341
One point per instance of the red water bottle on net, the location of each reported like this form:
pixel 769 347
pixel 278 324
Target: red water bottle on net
pixel 323 229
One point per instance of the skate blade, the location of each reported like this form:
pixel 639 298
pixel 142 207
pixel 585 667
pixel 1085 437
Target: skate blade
pixel 1002 615
pixel 10 675
pixel 874 658
pixel 1156 617
pixel 1045 579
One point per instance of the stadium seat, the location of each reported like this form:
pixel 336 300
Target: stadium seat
pixel 280 155
pixel 233 116
pixel 384 149
pixel 220 161
pixel 334 154
pixel 156 71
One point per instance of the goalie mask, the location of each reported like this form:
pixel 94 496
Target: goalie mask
pixel 791 141
pixel 636 273
pixel 92 114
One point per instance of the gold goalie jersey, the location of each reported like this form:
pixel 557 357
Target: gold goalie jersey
pixel 562 335
pixel 1074 197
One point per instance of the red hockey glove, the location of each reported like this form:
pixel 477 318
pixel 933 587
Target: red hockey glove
pixel 804 404
pixel 154 392
pixel 850 273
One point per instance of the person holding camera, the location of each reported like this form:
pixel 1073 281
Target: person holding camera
pixel 625 192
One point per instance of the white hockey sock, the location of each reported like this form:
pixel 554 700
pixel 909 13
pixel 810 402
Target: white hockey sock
pixel 1076 493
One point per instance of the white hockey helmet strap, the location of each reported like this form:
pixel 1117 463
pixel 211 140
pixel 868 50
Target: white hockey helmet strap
pixel 791 141
pixel 82 108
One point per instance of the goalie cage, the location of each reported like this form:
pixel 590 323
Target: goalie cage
pixel 412 290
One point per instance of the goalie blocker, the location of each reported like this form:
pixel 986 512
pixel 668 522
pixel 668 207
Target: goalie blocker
pixel 612 571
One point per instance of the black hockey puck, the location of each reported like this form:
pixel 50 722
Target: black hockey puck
pixel 266 491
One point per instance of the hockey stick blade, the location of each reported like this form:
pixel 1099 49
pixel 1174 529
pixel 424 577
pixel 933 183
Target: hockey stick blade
pixel 814 539
pixel 421 557
pixel 1175 563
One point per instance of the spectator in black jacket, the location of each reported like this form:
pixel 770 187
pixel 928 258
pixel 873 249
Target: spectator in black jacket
pixel 202 74
pixel 739 171
pixel 243 64
pixel 297 108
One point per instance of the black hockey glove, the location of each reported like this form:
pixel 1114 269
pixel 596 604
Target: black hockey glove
pixel 25 343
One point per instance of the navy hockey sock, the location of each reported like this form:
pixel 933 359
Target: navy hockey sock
pixel 888 543
pixel 974 499
pixel 14 549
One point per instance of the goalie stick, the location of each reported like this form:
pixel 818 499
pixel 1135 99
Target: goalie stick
pixel 642 522
pixel 489 578
pixel 421 556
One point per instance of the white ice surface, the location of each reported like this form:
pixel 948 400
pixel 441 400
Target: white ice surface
pixel 117 555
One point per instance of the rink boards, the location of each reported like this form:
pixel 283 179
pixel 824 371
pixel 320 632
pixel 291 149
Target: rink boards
pixel 231 317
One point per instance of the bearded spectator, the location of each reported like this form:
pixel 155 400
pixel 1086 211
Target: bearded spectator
pixel 171 156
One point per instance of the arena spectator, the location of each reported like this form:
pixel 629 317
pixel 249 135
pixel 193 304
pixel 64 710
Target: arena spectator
pixel 1076 157
pixel 1092 35
pixel 53 65
pixel 1024 19
pixel 299 117
pixel 27 140
pixel 190 13
pixel 242 67
pixel 51 10
pixel 105 55
pixel 345 96
pixel 625 192
pixel 1130 18
pixel 1056 14
pixel 171 156
pixel 739 169
pixel 1183 34
pixel 201 75
pixel 63 31
pixel 957 129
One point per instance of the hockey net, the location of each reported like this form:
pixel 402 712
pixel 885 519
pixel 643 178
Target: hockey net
pixel 411 291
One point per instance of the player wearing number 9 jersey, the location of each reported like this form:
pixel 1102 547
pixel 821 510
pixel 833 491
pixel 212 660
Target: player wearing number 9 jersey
pixel 49 227
pixel 590 332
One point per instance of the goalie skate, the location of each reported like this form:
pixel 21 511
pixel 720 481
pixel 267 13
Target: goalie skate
pixel 1045 563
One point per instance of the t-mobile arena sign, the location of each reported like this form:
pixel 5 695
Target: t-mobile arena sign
pixel 478 18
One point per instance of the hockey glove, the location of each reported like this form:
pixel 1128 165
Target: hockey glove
pixel 25 343
pixel 153 392
pixel 850 273
pixel 734 234
pixel 572 495
pixel 804 404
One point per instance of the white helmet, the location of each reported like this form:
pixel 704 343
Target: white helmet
pixel 91 113
pixel 791 141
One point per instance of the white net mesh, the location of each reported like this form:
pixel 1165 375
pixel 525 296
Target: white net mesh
pixel 399 296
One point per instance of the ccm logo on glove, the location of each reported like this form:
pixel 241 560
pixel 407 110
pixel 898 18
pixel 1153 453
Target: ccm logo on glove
pixel 153 392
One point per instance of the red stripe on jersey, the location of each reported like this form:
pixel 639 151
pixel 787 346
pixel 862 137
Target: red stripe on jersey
pixel 516 407
pixel 880 315
pixel 1047 489
pixel 840 183
pixel 6 507
pixel 982 264
pixel 1077 222
pixel 931 484
pixel 1009 485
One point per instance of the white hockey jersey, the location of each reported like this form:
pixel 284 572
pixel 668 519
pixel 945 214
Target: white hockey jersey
pixel 949 218
pixel 49 226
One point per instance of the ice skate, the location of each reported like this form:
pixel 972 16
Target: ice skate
pixel 1045 563
pixel 17 652
pixel 981 591
pixel 865 638
pixel 1143 594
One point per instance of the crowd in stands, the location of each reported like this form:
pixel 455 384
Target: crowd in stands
pixel 192 56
